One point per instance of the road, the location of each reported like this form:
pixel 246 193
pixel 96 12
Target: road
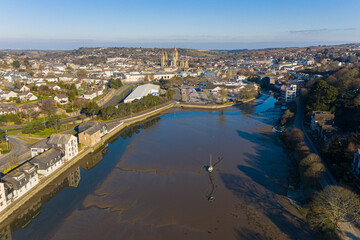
pixel 112 100
pixel 347 230
pixel 177 96
pixel 299 123
pixel 19 148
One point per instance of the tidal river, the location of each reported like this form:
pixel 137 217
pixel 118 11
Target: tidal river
pixel 151 183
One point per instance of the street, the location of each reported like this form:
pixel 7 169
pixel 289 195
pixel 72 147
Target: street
pixel 19 148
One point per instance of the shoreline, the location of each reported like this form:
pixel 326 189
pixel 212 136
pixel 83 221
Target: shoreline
pixel 14 206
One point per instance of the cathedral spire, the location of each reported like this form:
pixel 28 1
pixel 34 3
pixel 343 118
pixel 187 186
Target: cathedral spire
pixel 176 57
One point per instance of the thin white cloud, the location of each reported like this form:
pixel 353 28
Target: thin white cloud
pixel 321 30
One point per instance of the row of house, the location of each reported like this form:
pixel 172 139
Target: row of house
pixel 23 96
pixel 12 108
pixel 47 156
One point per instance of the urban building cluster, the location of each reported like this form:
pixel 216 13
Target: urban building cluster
pixel 47 156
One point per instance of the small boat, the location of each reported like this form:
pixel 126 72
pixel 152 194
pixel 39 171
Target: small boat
pixel 211 168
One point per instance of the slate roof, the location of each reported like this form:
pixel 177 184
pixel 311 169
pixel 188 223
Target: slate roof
pixel 59 139
pixel 41 144
pixel 53 154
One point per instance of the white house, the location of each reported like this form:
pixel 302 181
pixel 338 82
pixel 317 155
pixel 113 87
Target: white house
pixel 61 99
pixel 133 77
pixel 67 142
pixel 39 147
pixel 49 161
pixel 3 197
pixel 8 94
pixel 21 180
pixel 90 95
pixel 24 89
pixel 27 96
pixel 165 76
pixel 56 88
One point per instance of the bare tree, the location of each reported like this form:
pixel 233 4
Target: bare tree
pixel 314 173
pixel 309 160
pixel 332 206
pixel 223 93
pixel 49 107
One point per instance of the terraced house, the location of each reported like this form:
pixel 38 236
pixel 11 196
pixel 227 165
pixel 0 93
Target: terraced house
pixel 18 182
pixel 49 161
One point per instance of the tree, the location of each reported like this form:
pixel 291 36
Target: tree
pixel 286 117
pixel 115 83
pixel 223 93
pixel 49 107
pixel 249 91
pixel 321 97
pixel 148 77
pixel 92 108
pixel 313 173
pixel 332 206
pixel 164 83
pixel 170 94
pixel 309 160
pixel 107 112
pixel 31 128
pixel 2 135
pixel 54 122
pixel 16 64
pixel 28 111
pixel 82 73
pixel 72 95
pixel 295 137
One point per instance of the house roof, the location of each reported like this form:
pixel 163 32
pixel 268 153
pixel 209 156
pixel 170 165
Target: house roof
pixel 47 156
pixel 318 116
pixel 90 127
pixel 60 139
pixel 41 144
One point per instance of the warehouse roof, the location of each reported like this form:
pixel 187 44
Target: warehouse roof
pixel 142 91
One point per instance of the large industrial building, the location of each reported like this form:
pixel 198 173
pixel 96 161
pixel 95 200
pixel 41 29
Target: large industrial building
pixel 142 91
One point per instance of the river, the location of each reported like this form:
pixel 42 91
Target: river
pixel 151 182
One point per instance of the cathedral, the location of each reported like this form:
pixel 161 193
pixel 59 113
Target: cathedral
pixel 174 61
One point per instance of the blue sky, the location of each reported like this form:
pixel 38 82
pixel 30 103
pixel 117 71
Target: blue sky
pixel 215 24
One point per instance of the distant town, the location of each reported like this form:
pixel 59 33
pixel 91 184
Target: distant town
pixel 57 104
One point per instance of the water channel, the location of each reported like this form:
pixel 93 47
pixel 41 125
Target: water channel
pixel 151 182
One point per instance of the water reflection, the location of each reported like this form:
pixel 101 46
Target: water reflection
pixel 129 133
pixel 222 118
pixel 32 209
pixel 151 185
pixel 93 159
pixel 70 179
pixel 210 196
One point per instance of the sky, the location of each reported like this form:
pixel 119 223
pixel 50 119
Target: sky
pixel 202 24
